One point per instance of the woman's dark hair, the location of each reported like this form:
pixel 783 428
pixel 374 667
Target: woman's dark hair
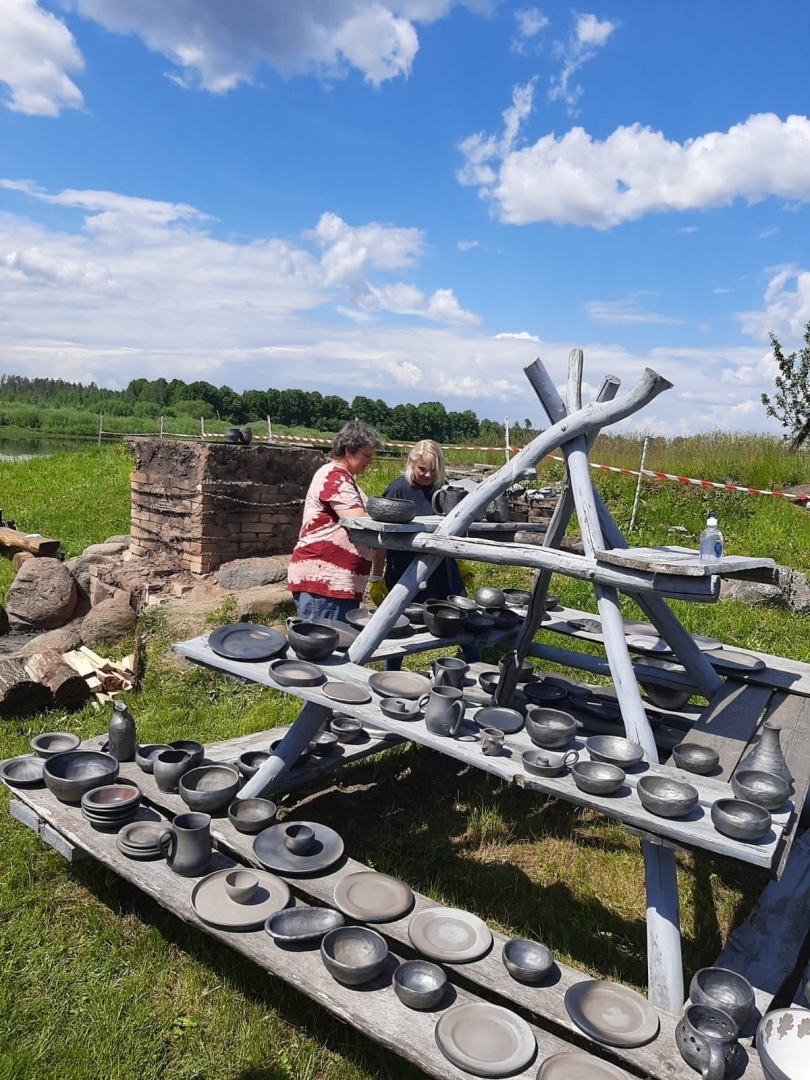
pixel 353 436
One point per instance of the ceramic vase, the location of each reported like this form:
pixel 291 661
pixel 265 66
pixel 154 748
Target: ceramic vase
pixel 766 756
pixel 121 737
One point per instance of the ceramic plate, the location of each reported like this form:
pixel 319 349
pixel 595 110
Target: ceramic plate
pixel 647 643
pixel 611 1014
pixel 405 684
pixel 372 897
pixel 732 660
pixel 506 720
pixel 246 641
pixel 346 693
pixel 295 673
pixel 449 934
pixel 578 1066
pixel 270 850
pixel 346 633
pixel 485 1040
pixel 142 834
pixel 22 772
pixel 360 617
pixel 213 905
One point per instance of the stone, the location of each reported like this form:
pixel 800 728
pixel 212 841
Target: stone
pixel 250 573
pixel 108 623
pixel 750 592
pixel 80 568
pixel 123 538
pixel 261 600
pixel 42 596
pixel 62 640
pixel 20 557
pixel 109 549
pixel 100 591
pixel 4 626
pixel 795 589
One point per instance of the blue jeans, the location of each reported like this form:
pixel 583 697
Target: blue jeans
pixel 310 606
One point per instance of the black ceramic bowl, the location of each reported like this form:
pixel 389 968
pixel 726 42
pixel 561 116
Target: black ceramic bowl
pixel 550 729
pixel 419 984
pixel 251 815
pixel 72 774
pixel 209 788
pixel 311 641
pixel 145 755
pixel 192 747
pixel 250 762
pixel 397 511
pixel 353 954
pixel 51 743
pixel 444 619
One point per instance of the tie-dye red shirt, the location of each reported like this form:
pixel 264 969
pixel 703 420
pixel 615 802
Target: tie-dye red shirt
pixel 325 562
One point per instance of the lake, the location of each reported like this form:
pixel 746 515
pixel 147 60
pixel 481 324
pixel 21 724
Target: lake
pixel 23 448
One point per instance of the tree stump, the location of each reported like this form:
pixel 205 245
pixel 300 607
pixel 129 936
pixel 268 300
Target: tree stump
pixel 19 694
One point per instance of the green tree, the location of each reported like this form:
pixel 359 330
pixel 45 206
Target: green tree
pixel 790 405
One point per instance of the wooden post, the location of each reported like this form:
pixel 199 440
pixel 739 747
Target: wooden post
pixel 202 427
pixel 287 752
pixel 161 427
pixel 100 426
pixel 638 484
pixel 269 430
pixel 506 438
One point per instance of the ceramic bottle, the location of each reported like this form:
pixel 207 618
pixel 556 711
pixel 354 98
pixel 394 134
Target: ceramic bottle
pixel 121 735
pixel 766 756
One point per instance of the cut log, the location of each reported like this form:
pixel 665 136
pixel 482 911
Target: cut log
pixel 69 689
pixel 37 545
pixel 19 694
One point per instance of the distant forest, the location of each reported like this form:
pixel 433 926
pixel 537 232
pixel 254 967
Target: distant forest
pixel 288 408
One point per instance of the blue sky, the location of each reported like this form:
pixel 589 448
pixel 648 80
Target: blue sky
pixel 408 199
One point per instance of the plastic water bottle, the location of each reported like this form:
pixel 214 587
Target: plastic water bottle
pixel 711 540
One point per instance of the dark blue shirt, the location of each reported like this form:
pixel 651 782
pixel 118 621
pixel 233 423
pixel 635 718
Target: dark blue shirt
pixel 445 580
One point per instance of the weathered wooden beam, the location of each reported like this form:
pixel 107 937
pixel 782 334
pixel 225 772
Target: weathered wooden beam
pixel 287 752
pixel 20 541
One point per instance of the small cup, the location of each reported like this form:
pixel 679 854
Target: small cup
pixel 491 741
pixel 298 838
pixel 240 885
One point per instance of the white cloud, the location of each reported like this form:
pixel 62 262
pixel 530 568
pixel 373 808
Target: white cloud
pixel 720 291
pixel 635 171
pixel 521 335
pixel 687 230
pixel 623 312
pixel 588 35
pixel 530 21
pixel 37 57
pixel 787 309
pixel 467 245
pixel 349 252
pixel 217 45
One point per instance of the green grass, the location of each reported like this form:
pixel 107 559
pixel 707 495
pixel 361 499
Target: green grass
pixel 98 981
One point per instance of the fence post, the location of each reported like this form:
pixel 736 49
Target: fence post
pixel 100 426
pixel 202 427
pixel 638 485
pixel 161 427
pixel 506 437
pixel 269 430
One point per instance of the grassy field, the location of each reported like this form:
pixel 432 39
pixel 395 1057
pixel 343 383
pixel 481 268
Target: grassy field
pixel 97 981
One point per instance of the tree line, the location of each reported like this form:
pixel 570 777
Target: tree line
pixel 287 408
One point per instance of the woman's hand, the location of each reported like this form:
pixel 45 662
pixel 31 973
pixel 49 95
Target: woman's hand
pixel 467 571
pixel 377 590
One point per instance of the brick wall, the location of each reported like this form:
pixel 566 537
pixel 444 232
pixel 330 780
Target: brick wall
pixel 209 503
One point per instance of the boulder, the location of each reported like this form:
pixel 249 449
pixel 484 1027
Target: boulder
pixel 249 573
pixel 62 640
pixel 4 627
pixel 108 623
pixel 42 596
pixel 117 548
pixel 19 558
pixel 80 568
pixel 750 592
pixel 261 600
pixel 795 589
pixel 123 538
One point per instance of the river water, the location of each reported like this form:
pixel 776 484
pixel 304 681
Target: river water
pixel 24 448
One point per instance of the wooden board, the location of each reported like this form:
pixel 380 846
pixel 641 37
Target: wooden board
pixel 430 523
pixel 730 720
pixel 33 542
pixel 680 560
pixel 485 978
pixel 792 713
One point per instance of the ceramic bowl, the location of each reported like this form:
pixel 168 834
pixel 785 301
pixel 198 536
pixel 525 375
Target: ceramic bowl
pixel 419 984
pixel 311 641
pixel 415 614
pixel 695 758
pixel 782 1042
pixel 550 729
pixel 463 603
pixel 488 681
pixel 191 746
pixel 209 788
pixel 145 755
pixel 544 693
pixel 597 777
pixel 293 925
pixel 525 673
pixel 299 838
pixel 68 776
pixel 614 749
pixel 517 597
pixel 112 798
pixel 240 885
pixel 251 815
pixel 398 511
pixel 354 955
pixel 250 762
pixel 504 618
pixel 347 728
pixel 527 961
pixel 169 766
pixel 443 619
pixel 51 743
pixel 322 742
pixel 548 762
pixel 479 623
pixel 763 788
pixel 666 797
pixel 740 820
pixel 490 597
pixel 725 990
pixel 25 771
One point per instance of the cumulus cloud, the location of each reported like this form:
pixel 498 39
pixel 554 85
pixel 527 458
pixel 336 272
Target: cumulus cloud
pixel 37 57
pixel 787 308
pixel 578 180
pixel 588 36
pixel 530 21
pixel 467 245
pixel 521 335
pixel 623 312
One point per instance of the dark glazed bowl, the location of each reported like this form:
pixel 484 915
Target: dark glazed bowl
pixel 479 623
pixel 397 511
pixel 488 681
pixel 597 777
pixel 695 758
pixel 311 641
pixel 69 776
pixel 543 693
pixel 724 990
pixel 527 961
pixel 419 984
pixel 550 729
pixel 51 743
pixel 415 614
pixel 763 788
pixel 444 619
pixel 354 955
pixel 525 673
pixel 666 797
pixel 145 755
pixel 191 746
pixel 251 761
pixel 490 597
pixel 347 728
pixel 322 742
pixel 293 925
pixel 251 815
pixel 614 749
pixel 209 788
pixel 740 820
pixel 504 618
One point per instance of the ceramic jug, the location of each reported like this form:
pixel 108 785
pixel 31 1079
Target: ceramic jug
pixel 449 671
pixel 707 1040
pixel 766 755
pixel 121 740
pixel 446 498
pixel 187 844
pixel 444 710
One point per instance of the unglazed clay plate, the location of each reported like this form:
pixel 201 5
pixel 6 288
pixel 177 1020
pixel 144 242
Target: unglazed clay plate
pixel 346 693
pixel 449 934
pixel 578 1066
pixel 485 1040
pixel 647 643
pixel 271 851
pixel 371 897
pixel 611 1014
pixel 731 660
pixel 295 673
pixel 246 641
pixel 360 617
pixel 404 684
pixel 213 905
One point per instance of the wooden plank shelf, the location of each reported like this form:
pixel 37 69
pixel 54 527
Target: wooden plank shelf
pixel 680 560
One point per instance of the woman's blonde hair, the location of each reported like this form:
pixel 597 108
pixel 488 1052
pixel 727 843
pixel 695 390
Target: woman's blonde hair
pixel 429 451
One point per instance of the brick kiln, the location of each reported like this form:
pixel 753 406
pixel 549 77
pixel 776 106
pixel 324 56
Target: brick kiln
pixel 209 503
